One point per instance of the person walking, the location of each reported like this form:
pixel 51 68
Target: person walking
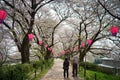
pixel 66 67
pixel 75 61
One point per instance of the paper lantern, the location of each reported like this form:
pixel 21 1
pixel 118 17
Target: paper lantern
pixel 114 30
pixel 62 52
pixel 83 45
pixel 50 49
pixel 71 49
pixel 76 48
pixel 45 46
pixel 30 36
pixel 89 41
pixel 3 15
pixel 40 43
pixel 67 51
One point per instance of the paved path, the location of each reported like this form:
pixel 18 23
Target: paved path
pixel 56 72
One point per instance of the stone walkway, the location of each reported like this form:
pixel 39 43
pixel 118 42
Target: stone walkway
pixel 56 72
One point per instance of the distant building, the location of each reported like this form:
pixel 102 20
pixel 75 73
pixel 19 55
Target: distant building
pixel 111 63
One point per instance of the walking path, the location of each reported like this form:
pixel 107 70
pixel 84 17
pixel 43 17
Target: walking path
pixel 56 72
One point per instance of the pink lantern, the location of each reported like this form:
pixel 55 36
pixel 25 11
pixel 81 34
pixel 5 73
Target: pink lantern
pixel 89 41
pixel 46 46
pixel 30 36
pixel 76 48
pixel 3 15
pixel 67 51
pixel 114 30
pixel 83 45
pixel 71 49
pixel 50 49
pixel 63 52
pixel 40 43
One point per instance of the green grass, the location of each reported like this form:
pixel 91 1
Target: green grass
pixel 40 74
pixel 99 76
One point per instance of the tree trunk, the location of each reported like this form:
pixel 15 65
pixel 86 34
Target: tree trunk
pixel 81 57
pixel 47 56
pixel 25 53
pixel 25 50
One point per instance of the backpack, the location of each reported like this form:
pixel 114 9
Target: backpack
pixel 66 65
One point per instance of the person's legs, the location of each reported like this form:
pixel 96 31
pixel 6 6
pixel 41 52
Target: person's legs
pixel 64 73
pixel 76 70
pixel 73 69
pixel 67 73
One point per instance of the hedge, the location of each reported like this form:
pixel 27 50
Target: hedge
pixel 95 67
pixel 21 71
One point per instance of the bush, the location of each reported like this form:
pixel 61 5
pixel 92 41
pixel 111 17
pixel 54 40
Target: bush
pixel 94 67
pixel 15 72
pixel 4 73
pixel 37 64
pixel 21 71
pixel 89 66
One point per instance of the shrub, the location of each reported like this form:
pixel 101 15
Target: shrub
pixel 21 71
pixel 94 67
pixel 15 72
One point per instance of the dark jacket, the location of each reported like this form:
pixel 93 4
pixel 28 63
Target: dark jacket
pixel 66 64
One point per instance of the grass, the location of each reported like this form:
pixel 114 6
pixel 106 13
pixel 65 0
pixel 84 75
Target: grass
pixel 99 76
pixel 39 73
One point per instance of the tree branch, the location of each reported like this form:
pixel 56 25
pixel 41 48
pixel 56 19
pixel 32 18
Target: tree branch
pixel 108 10
pixel 43 5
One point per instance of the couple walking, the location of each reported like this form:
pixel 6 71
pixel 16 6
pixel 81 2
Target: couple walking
pixel 75 61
